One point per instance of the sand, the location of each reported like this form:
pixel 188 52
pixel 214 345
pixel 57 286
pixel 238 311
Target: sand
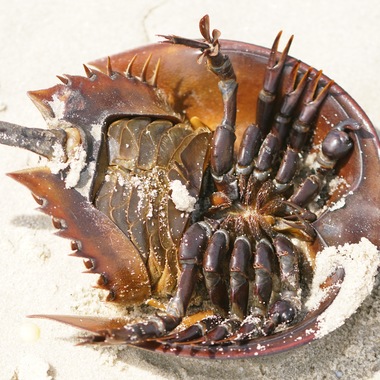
pixel 40 39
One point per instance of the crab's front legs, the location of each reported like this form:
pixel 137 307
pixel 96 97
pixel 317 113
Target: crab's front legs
pixel 222 146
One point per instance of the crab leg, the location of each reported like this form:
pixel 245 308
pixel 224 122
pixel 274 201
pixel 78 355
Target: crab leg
pixel 262 291
pixel 293 92
pixel 191 250
pixel 307 191
pixel 240 259
pixel 287 169
pixel 266 156
pixel 312 102
pixel 263 275
pixel 298 135
pixel 213 270
pixel 253 136
pixel 249 146
pixel 267 95
pixel 137 332
pixel 195 332
pixel 222 146
pixel 239 262
pixel 284 310
pixel 239 283
pixel 336 145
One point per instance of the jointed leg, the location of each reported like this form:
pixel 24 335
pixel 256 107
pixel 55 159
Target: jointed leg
pixel 213 261
pixel 222 147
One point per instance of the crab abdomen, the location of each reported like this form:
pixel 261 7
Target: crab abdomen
pixel 147 166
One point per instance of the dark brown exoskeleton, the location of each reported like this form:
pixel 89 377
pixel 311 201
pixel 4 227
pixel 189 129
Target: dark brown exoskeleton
pixel 169 194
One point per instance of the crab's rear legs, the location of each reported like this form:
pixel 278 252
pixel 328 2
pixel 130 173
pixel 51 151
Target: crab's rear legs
pixel 191 251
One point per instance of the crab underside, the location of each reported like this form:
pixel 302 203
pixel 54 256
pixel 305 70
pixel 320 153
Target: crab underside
pixel 214 209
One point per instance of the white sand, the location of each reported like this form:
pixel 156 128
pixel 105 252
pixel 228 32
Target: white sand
pixel 360 262
pixel 40 39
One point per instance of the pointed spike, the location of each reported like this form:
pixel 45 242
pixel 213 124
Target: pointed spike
pixel 79 254
pixel 63 79
pixel 145 68
pixel 97 340
pixel 273 53
pixel 76 245
pixel 292 78
pixel 89 73
pixel 92 324
pixel 302 83
pixel 128 72
pixel 110 72
pixel 292 88
pixel 57 223
pixel 63 233
pixel 89 264
pixel 323 93
pixel 88 271
pixel 153 79
pixel 39 99
pixel 285 53
pixel 196 44
pixel 102 280
pixel 97 286
pixel 111 296
pixel 39 200
pixel 74 254
pixel 313 87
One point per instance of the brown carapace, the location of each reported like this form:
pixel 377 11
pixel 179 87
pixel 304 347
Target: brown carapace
pixel 205 189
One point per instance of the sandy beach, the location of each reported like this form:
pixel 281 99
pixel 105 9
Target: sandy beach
pixel 41 39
